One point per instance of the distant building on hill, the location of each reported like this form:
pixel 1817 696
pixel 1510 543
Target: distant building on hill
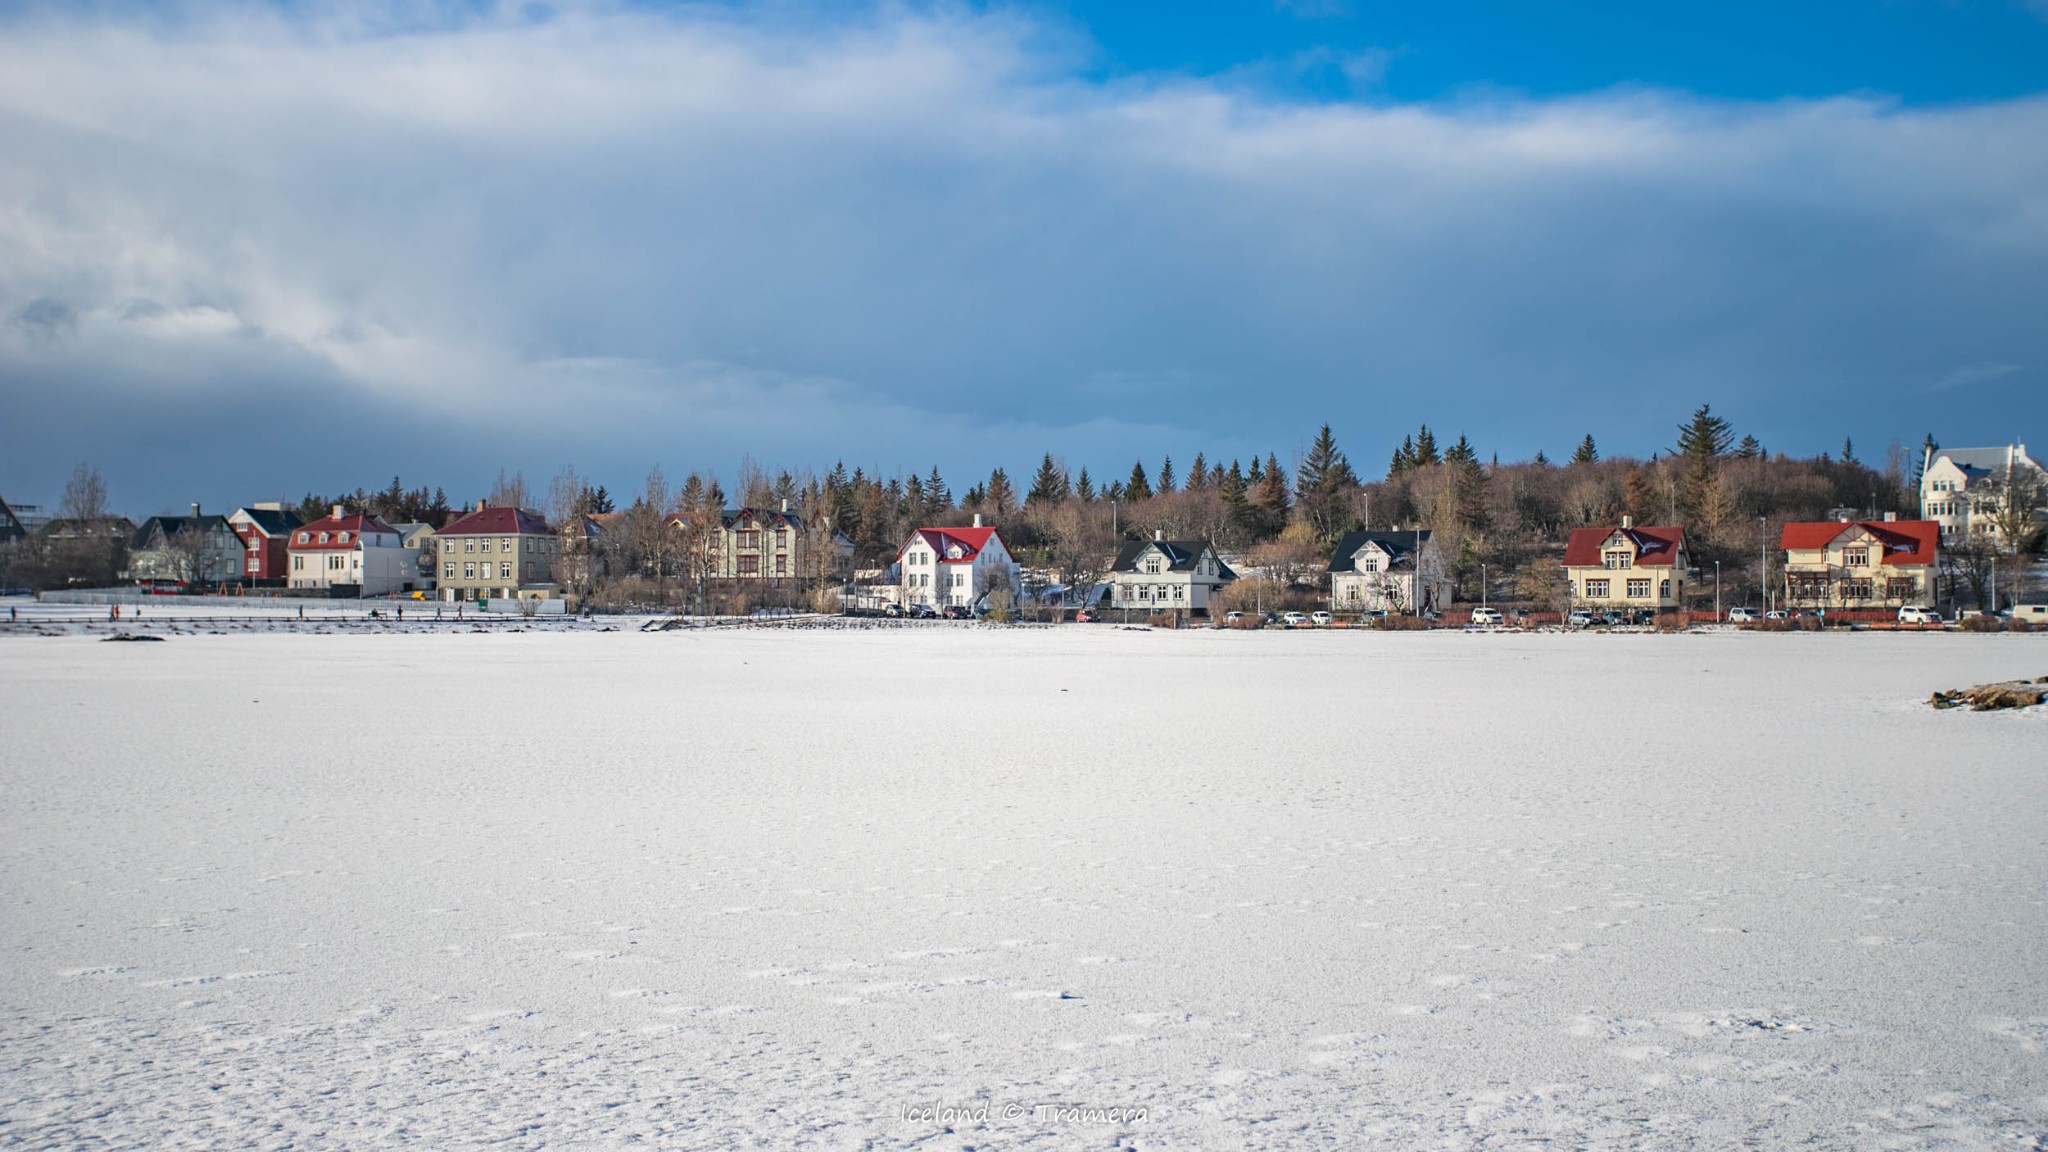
pixel 1391 571
pixel 1627 567
pixel 1961 488
pixel 1860 563
pixel 1161 575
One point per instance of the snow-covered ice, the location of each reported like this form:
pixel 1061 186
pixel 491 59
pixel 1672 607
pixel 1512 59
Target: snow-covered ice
pixel 811 889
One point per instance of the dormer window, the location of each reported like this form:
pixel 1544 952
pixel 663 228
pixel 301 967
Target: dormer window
pixel 344 537
pixel 955 552
pixel 305 536
pixel 1617 560
pixel 323 537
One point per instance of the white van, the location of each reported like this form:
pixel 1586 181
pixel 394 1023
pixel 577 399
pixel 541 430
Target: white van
pixel 1485 616
pixel 2031 613
pixel 1912 614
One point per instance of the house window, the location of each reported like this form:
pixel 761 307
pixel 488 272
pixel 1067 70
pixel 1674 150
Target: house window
pixel 323 537
pixel 1176 591
pixel 1664 590
pixel 1856 557
pixel 1900 588
pixel 448 546
pixel 1638 589
pixel 303 537
pixel 1596 589
pixel 782 537
pixel 1152 566
pixel 505 545
pixel 1615 560
pixel 344 537
pixel 469 544
pixel 448 573
pixel 504 570
pixel 298 563
pixel 469 570
pixel 750 565
pixel 782 565
pixel 749 538
pixel 1857 589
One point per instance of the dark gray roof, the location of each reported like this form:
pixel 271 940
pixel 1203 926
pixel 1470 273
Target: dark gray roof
pixel 1397 545
pixel 175 525
pixel 10 525
pixel 273 521
pixel 1181 555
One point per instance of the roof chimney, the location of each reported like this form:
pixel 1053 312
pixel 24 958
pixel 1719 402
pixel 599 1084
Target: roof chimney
pixel 482 504
pixel 1891 517
pixel 195 510
pixel 977 519
pixel 785 505
pixel 337 512
pixel 1159 533
pixel 1628 522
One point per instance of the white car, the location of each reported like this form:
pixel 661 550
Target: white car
pixel 1293 620
pixel 1743 615
pixel 1320 619
pixel 1912 614
pixel 1483 617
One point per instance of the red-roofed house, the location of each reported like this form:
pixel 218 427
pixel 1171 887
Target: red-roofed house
pixel 1861 564
pixel 956 566
pixel 266 532
pixel 498 553
pixel 351 555
pixel 1627 567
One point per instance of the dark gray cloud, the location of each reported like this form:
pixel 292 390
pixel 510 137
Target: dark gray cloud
pixel 620 239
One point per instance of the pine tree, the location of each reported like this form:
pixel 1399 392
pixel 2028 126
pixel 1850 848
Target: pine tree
pixel 1705 436
pixel 938 498
pixel 1540 460
pixel 1323 484
pixel 1167 481
pixel 1749 449
pixel 1216 474
pixel 1461 453
pixel 1049 486
pixel 1586 453
pixel 1425 447
pixel 1000 497
pixel 1404 458
pixel 1085 488
pixel 1198 474
pixel 1269 498
pixel 1848 451
pixel 1137 487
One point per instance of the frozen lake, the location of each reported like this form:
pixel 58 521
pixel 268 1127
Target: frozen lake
pixel 789 890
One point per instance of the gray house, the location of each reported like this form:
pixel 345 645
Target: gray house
pixel 195 549
pixel 1377 572
pixel 1160 575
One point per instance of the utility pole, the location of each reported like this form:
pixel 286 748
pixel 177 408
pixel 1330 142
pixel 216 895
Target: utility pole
pixel 1717 590
pixel 1763 559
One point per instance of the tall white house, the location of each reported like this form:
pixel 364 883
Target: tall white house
pixel 356 555
pixel 1956 484
pixel 946 567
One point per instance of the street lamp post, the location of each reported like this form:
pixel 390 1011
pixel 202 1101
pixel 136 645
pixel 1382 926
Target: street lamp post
pixel 1717 590
pixel 1763 560
pixel 1482 584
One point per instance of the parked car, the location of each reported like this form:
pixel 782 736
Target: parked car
pixel 1087 616
pixel 1232 617
pixel 1744 615
pixel 1482 617
pixel 1913 614
pixel 1779 614
pixel 923 612
pixel 1580 618
pixel 958 612
pixel 1320 619
pixel 1294 620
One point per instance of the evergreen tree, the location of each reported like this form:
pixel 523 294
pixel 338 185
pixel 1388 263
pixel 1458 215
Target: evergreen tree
pixel 938 499
pixel 1705 436
pixel 1404 458
pixel 1049 486
pixel 1461 453
pixel 999 498
pixel 1167 480
pixel 1257 473
pixel 1425 447
pixel 1216 474
pixel 1269 498
pixel 1323 485
pixel 1849 451
pixel 1085 488
pixel 1198 474
pixel 1540 460
pixel 1137 487
pixel 1749 449
pixel 1586 453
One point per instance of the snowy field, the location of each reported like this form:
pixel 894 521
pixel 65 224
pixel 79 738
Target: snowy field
pixel 808 889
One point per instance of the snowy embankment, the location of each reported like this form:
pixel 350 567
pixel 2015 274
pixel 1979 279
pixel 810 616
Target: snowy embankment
pixel 810 889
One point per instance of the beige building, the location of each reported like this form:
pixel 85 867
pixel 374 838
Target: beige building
pixel 1861 564
pixel 768 545
pixel 1962 489
pixel 1627 567
pixel 497 553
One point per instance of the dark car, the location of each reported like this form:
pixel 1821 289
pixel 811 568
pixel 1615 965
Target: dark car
pixel 923 612
pixel 958 612
pixel 893 610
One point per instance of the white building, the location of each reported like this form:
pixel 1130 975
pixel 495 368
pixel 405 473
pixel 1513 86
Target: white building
pixel 1161 575
pixel 1376 572
pixel 946 567
pixel 359 555
pixel 1957 484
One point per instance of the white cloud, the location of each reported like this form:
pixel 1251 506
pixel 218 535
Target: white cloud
pixel 911 236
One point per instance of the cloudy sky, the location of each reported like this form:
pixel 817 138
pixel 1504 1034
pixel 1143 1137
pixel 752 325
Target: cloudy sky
pixel 248 251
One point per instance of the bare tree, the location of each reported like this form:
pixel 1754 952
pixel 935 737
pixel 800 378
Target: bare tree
pixel 85 495
pixel 510 491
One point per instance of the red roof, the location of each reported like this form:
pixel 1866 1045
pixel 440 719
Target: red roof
pixel 498 522
pixel 1656 547
pixel 1910 543
pixel 970 540
pixel 306 537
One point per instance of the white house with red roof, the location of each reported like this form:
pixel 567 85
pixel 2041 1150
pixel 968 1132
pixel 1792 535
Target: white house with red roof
pixel 956 567
pixel 356 555
pixel 1861 563
pixel 498 553
pixel 1625 566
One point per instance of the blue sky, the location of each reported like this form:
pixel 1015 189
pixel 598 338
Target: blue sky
pixel 257 250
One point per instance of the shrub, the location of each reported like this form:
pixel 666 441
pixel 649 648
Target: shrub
pixel 1982 623
pixel 1401 624
pixel 1250 622
pixel 2018 625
